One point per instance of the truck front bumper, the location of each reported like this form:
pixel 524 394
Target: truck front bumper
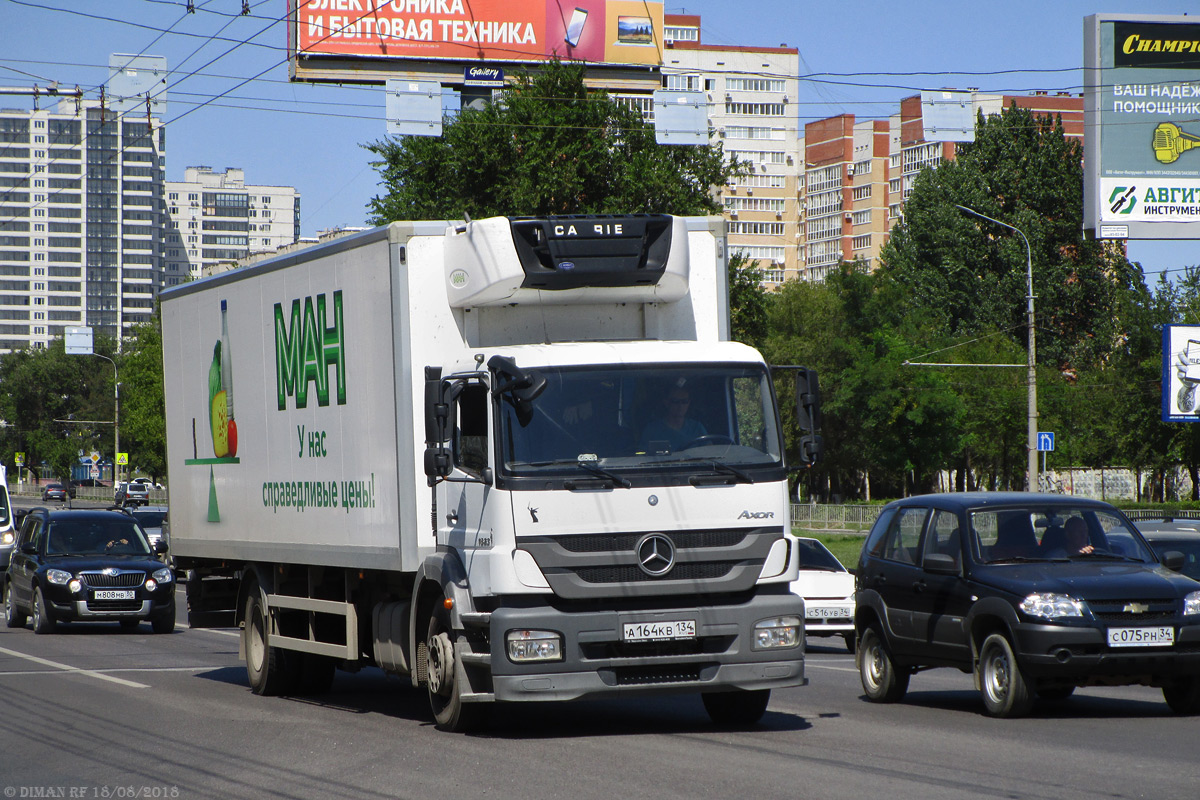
pixel 597 660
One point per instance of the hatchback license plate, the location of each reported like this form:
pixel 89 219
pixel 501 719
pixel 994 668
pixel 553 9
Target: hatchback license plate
pixel 659 631
pixel 114 594
pixel 1141 637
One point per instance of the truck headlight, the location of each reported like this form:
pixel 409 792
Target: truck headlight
pixel 1191 603
pixel 1051 606
pixel 775 633
pixel 58 577
pixel 526 646
pixel 8 537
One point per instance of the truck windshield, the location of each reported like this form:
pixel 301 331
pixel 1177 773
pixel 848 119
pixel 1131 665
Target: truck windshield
pixel 644 417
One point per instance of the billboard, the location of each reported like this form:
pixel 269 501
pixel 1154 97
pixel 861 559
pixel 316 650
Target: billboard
pixel 602 32
pixel 1181 373
pixel 1142 126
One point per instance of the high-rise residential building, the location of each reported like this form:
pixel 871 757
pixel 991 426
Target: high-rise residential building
pixel 80 220
pixel 216 217
pixel 859 173
pixel 752 94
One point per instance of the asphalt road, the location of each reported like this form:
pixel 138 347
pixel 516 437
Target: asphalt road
pixel 102 713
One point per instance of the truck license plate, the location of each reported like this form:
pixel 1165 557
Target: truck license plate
pixel 1141 637
pixel 114 594
pixel 659 631
pixel 827 613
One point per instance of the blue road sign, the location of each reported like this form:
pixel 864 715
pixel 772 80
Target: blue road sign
pixel 1045 441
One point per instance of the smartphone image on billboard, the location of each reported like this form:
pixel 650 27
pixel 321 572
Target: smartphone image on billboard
pixel 575 28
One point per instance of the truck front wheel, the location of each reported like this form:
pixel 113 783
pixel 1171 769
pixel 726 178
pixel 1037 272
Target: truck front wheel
pixel 443 679
pixel 266 667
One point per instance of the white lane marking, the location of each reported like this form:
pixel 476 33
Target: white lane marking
pixel 210 630
pixel 808 663
pixel 114 669
pixel 68 668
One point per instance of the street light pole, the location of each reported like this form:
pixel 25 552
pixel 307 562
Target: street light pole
pixel 116 415
pixel 1031 468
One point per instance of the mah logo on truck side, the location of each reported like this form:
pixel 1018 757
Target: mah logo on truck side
pixel 306 347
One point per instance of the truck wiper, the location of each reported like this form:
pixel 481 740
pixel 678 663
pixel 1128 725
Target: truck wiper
pixel 604 473
pixel 741 475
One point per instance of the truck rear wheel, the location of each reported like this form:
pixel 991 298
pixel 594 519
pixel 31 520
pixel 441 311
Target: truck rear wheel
pixel 266 667
pixel 740 707
pixel 444 679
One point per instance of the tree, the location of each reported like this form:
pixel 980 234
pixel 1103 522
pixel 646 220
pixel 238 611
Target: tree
pixel 55 405
pixel 747 302
pixel 970 274
pixel 549 146
pixel 143 410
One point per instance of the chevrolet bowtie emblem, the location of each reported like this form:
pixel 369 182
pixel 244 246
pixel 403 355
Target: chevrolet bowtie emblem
pixel 1136 608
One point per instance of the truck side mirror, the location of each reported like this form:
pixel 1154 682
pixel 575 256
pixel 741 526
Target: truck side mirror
pixel 808 414
pixel 521 386
pixel 437 412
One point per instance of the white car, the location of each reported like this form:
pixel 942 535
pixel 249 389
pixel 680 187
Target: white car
pixel 131 494
pixel 828 592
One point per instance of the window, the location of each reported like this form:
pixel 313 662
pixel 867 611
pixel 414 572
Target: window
pixel 943 538
pixel 755 109
pixel 862 217
pixel 745 132
pixel 758 252
pixel 754 85
pixel 861 242
pixel 904 535
pixel 862 192
pixel 683 82
pixel 757 228
pixel 469 446
pixel 755 204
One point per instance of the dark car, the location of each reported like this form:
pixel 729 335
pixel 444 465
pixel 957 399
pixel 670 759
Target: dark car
pixel 54 491
pixel 1168 533
pixel 1035 594
pixel 87 566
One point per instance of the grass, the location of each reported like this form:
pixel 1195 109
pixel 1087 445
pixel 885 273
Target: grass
pixel 845 546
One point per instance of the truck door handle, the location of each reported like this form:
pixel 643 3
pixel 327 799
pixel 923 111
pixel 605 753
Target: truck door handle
pixel 879 580
pixel 452 518
pixel 919 586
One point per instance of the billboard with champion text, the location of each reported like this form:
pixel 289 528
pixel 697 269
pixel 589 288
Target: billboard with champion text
pixel 618 32
pixel 1142 126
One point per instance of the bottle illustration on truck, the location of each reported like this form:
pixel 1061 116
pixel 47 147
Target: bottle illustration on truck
pixel 220 394
pixel 508 460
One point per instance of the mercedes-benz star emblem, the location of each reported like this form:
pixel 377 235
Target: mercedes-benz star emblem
pixel 656 554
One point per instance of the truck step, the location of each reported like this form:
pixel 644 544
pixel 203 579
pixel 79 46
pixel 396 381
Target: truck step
pixel 484 659
pixel 478 697
pixel 479 619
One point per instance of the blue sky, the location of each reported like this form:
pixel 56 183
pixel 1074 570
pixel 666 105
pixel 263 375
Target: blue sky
pixel 863 56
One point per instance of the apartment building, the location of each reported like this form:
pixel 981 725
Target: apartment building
pixel 81 219
pixel 752 94
pixel 215 217
pixel 858 173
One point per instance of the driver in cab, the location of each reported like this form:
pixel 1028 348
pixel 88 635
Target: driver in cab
pixel 674 429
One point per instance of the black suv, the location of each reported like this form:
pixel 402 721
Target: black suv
pixel 87 566
pixel 1035 594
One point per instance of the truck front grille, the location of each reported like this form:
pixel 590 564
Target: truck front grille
pixel 592 566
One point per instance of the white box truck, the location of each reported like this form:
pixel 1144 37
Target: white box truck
pixel 512 459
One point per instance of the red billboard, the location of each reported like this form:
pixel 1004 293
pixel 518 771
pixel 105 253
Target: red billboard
pixel 596 31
